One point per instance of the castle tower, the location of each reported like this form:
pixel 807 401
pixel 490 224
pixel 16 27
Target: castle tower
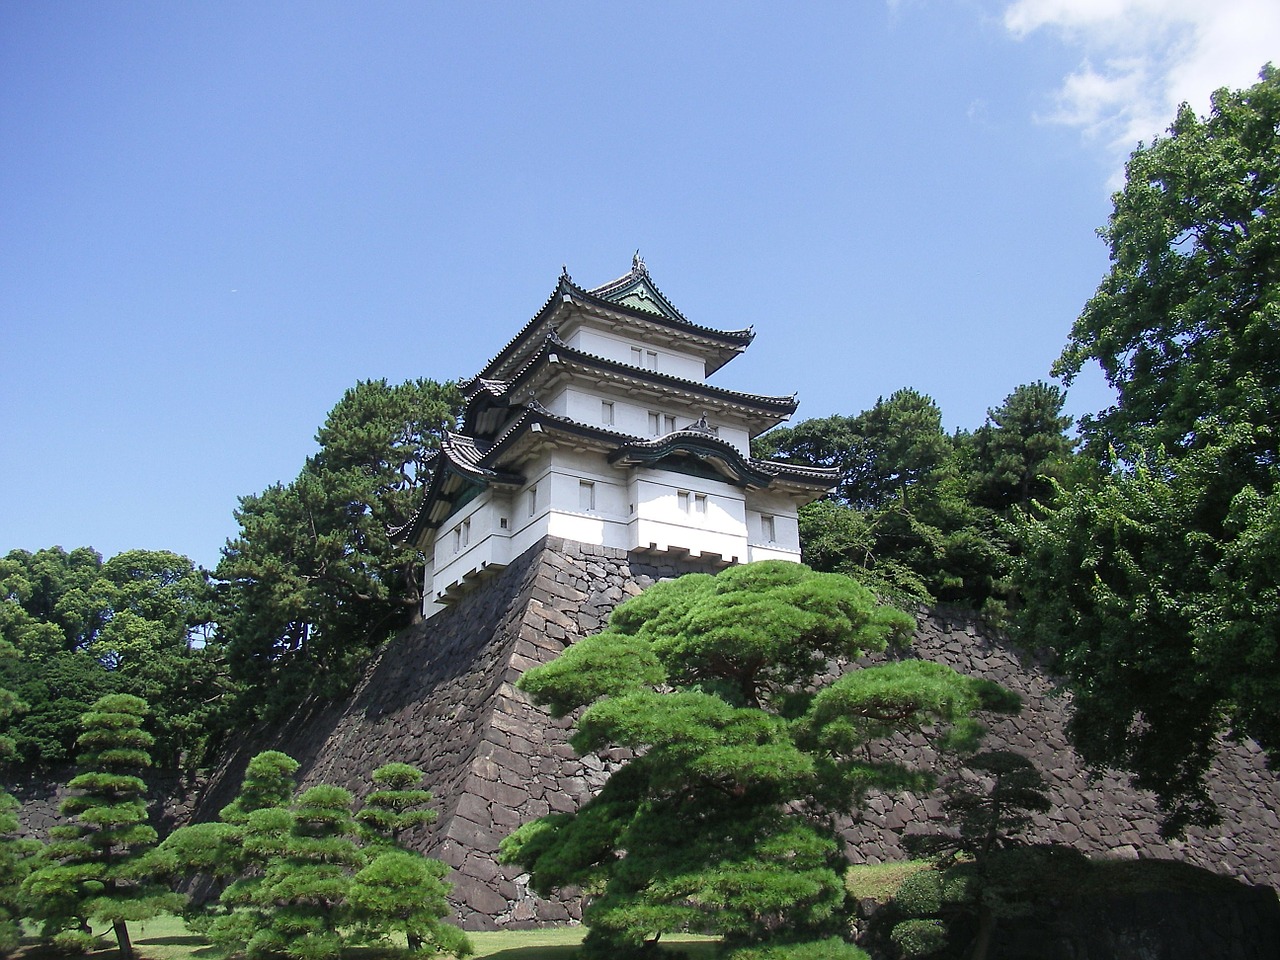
pixel 596 424
pixel 557 517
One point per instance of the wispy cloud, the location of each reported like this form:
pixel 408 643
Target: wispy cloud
pixel 1140 59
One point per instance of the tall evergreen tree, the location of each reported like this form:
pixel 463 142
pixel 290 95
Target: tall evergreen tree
pixel 315 579
pixel 1159 585
pixel 904 518
pixel 95 866
pixel 1022 448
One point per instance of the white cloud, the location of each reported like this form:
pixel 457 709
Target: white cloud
pixel 1140 59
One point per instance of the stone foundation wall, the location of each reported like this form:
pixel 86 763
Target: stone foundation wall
pixel 1095 812
pixel 442 697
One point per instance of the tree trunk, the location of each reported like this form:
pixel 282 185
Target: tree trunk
pixel 986 929
pixel 122 938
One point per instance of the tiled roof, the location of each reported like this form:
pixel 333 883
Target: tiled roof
pixel 775 405
pixel 481 461
pixel 566 290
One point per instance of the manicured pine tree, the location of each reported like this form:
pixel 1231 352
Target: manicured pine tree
pixel 397 803
pixel 16 855
pixel 232 852
pixel 304 889
pixel 722 822
pixel 16 858
pixel 96 868
pixel 252 832
pixel 402 891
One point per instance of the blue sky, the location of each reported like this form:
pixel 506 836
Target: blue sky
pixel 215 218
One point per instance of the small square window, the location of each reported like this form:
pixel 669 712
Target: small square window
pixel 466 533
pixel 682 500
pixel 700 504
pixel 533 500
pixel 768 529
pixel 637 356
pixel 655 423
pixel 606 412
pixel 651 359
pixel 586 495
pixel 668 424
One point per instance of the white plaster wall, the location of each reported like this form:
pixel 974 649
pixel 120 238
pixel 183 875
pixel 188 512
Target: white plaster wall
pixel 664 520
pixel 487 543
pixel 612 346
pixel 786 527
pixel 737 436
pixel 584 405
pixel 641 508
pixel 757 552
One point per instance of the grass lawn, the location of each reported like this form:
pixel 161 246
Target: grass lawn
pixel 880 881
pixel 167 938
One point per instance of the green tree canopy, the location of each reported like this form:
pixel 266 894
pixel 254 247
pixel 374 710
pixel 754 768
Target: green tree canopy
pixel 1157 585
pixel 306 880
pixel 314 579
pixel 881 453
pixel 95 865
pixel 917 515
pixel 745 749
pixel 1022 449
pixel 82 628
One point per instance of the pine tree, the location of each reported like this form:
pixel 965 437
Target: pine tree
pixel 16 856
pixel 232 851
pixel 722 821
pixel 305 886
pixel 95 865
pixel 401 891
pixel 397 803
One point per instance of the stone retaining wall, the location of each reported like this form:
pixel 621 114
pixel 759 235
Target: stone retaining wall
pixel 442 697
pixel 1097 813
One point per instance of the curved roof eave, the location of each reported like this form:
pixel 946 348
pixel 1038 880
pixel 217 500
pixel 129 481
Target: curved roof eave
pixel 744 471
pixel 567 291
pixel 459 458
pixel 777 406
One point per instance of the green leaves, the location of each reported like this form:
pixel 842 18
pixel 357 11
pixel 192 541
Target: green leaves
pixel 306 880
pixel 1189 304
pixel 315 579
pixel 397 803
pixel 82 628
pixel 744 750
pixel 1156 584
pixel 98 865
pixel 918 515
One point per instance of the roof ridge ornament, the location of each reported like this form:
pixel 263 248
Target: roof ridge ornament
pixel 638 267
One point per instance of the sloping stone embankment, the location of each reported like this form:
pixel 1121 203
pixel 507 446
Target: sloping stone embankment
pixel 442 696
